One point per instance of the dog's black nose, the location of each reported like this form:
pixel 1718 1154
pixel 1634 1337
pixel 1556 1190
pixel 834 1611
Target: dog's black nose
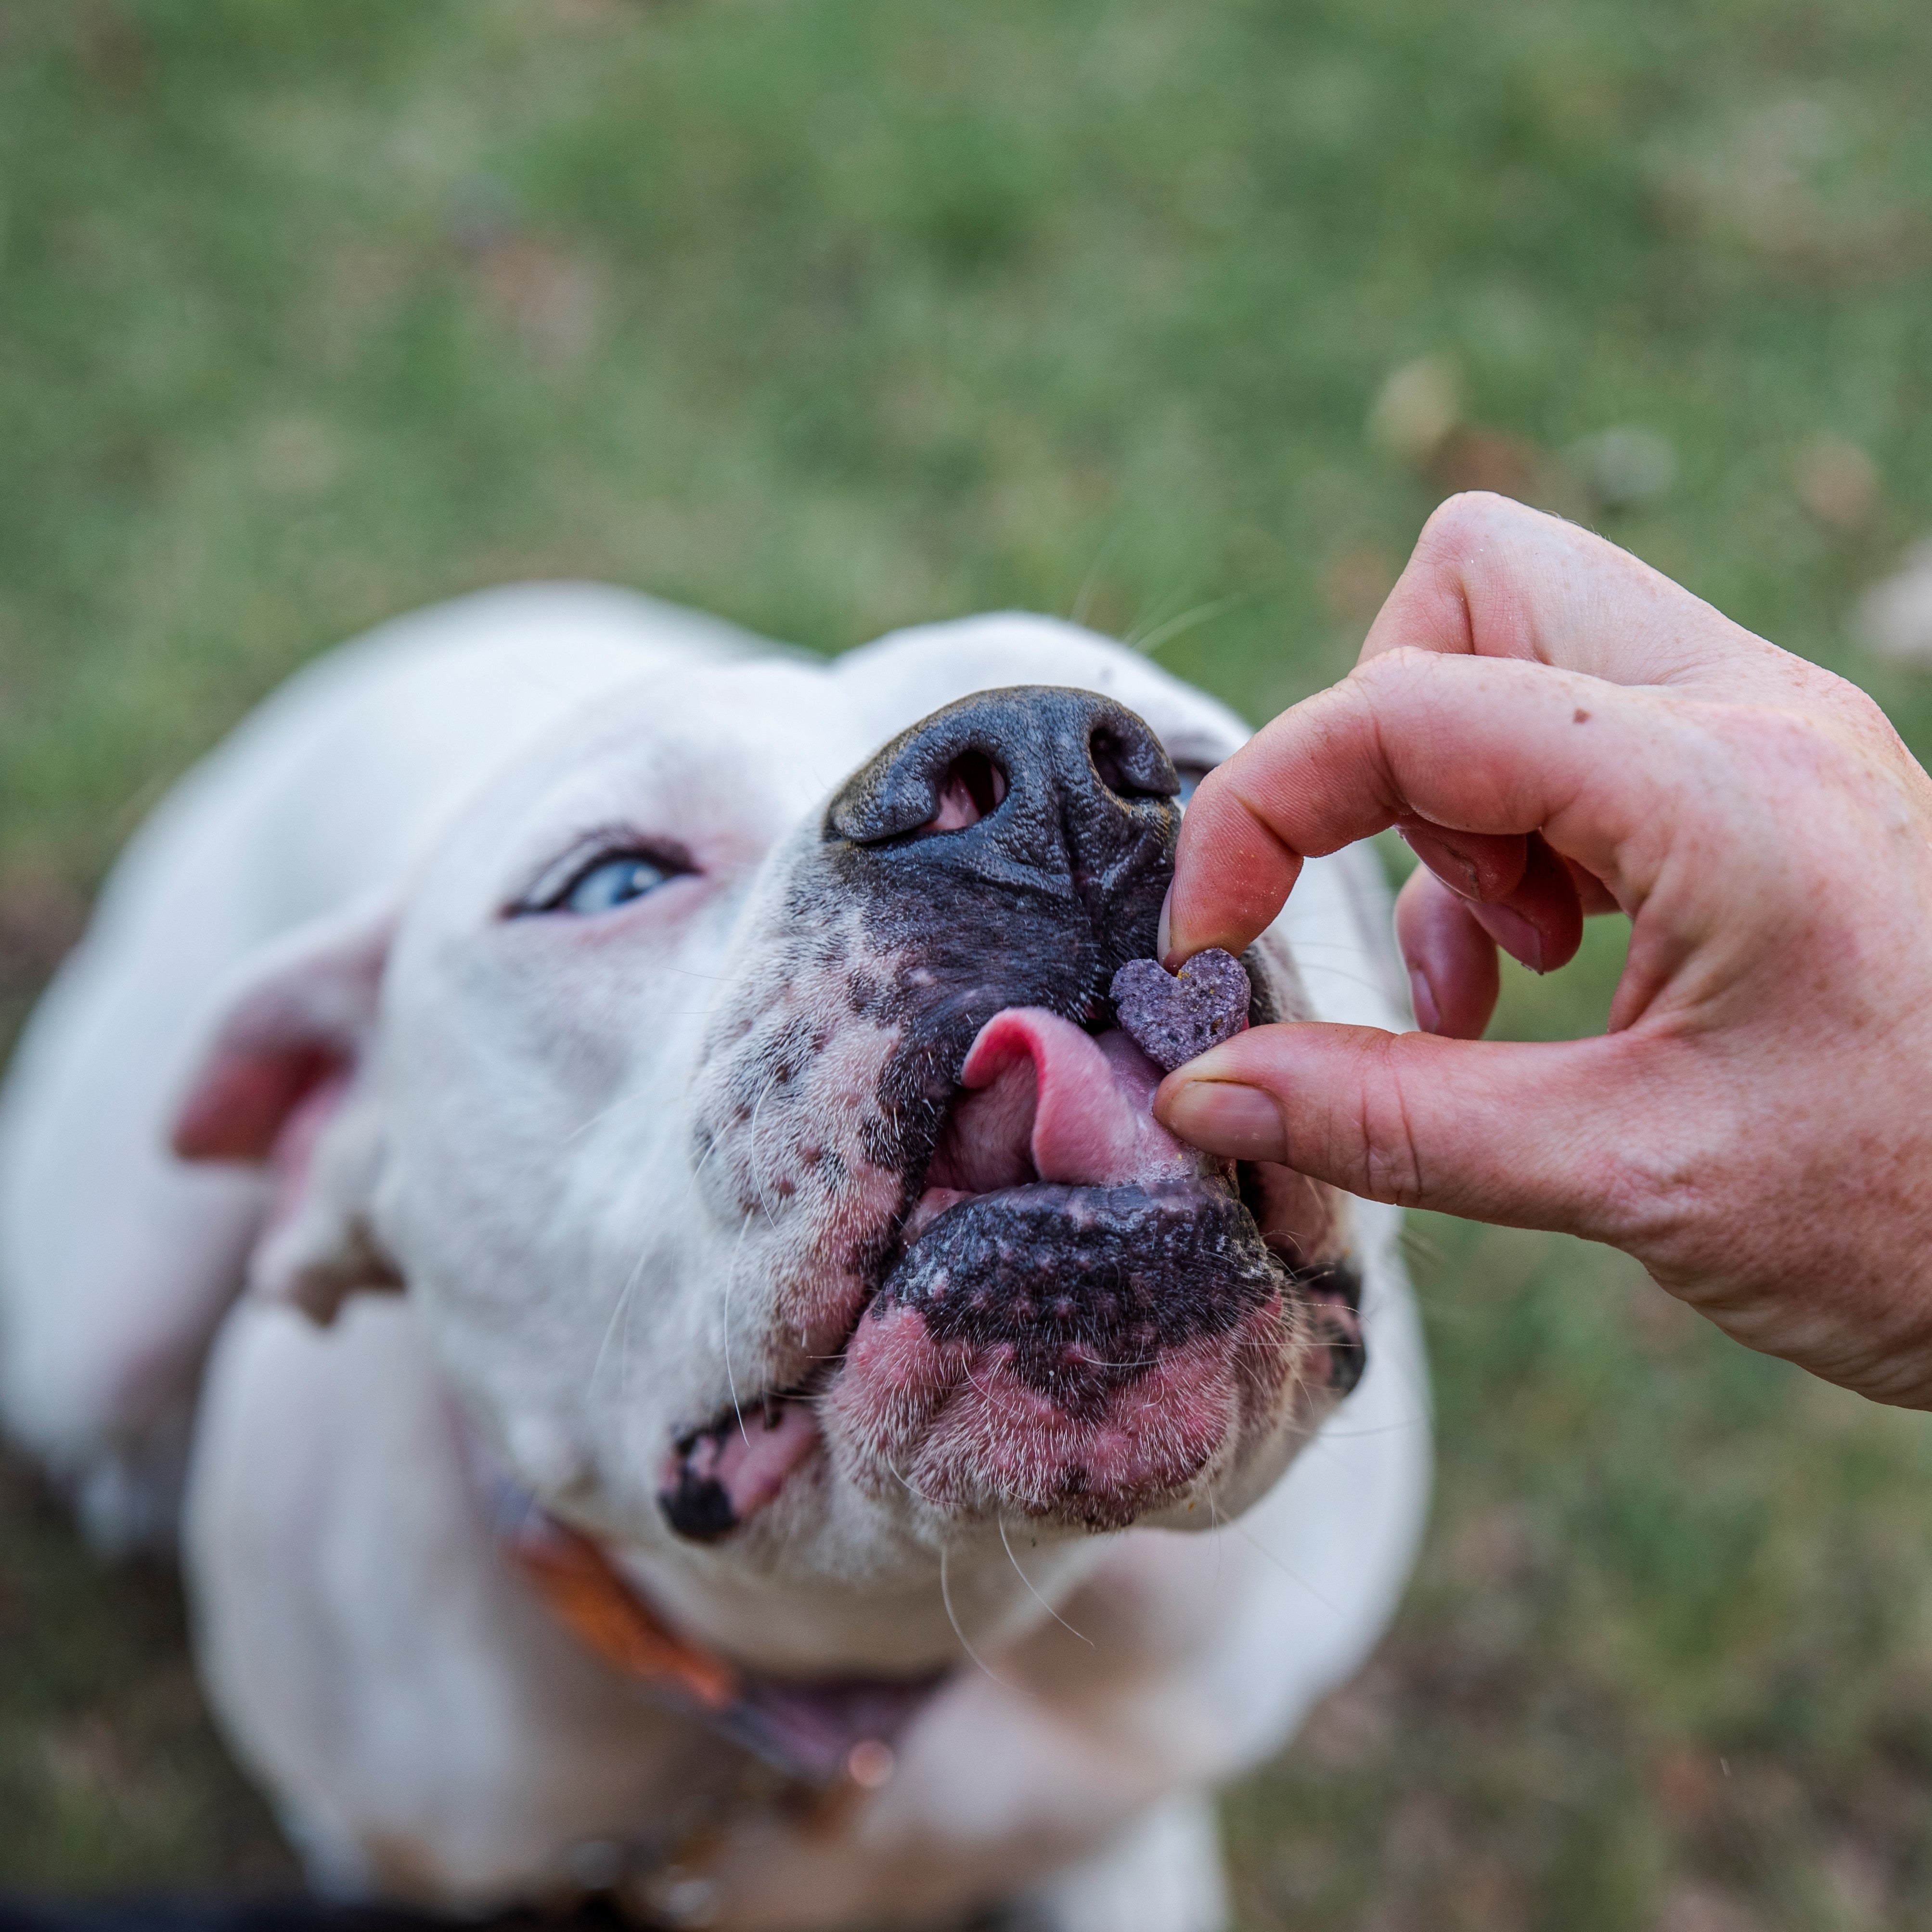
pixel 1022 789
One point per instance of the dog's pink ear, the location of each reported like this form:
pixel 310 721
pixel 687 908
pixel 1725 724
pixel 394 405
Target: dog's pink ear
pixel 282 1082
pixel 241 1100
pixel 300 1015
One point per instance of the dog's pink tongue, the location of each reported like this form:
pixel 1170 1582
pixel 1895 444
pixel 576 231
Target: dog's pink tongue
pixel 1091 1102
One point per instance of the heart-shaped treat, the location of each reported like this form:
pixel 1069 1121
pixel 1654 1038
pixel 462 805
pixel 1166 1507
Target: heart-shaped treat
pixel 1172 1016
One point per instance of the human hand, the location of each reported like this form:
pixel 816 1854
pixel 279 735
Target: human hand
pixel 1560 731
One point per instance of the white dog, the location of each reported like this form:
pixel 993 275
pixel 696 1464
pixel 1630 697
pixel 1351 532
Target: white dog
pixel 757 1502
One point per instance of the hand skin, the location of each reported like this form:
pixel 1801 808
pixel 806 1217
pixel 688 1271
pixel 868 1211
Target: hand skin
pixel 1563 730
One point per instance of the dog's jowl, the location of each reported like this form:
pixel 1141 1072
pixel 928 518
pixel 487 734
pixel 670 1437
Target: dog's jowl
pixel 589 1170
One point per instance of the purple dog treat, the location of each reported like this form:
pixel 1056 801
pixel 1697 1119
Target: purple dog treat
pixel 1172 1016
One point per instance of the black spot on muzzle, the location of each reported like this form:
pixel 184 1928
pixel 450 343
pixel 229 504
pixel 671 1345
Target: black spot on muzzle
pixel 1087 1287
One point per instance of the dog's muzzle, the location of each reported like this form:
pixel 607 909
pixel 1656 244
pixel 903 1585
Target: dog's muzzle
pixel 1072 1315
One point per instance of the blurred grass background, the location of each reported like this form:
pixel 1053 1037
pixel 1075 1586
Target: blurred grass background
pixel 831 315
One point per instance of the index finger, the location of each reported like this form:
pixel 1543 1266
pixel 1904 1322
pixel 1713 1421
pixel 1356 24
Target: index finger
pixel 1491 578
pixel 1486 746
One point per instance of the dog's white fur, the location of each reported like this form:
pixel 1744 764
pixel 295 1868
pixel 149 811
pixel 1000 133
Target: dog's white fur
pixel 515 1142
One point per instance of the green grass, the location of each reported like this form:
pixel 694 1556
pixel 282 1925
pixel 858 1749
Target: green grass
pixel 830 315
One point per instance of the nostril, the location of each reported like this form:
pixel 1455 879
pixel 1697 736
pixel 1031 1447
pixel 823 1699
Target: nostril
pixel 1077 767
pixel 1130 770
pixel 970 790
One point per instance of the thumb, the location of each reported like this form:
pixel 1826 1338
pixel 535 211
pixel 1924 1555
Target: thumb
pixel 1532 1135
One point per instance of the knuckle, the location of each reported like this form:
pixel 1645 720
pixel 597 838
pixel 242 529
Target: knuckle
pixel 1468 518
pixel 1650 1200
pixel 1837 762
pixel 1373 679
pixel 1391 1155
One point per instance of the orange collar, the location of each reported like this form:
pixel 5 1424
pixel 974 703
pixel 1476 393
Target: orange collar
pixel 587 1593
pixel 821 1733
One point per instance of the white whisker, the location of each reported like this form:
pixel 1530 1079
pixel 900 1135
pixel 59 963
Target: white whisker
pixel 730 1282
pixel 1090 584
pixel 1260 1549
pixel 610 1327
pixel 952 1617
pixel 1148 643
pixel 1034 1594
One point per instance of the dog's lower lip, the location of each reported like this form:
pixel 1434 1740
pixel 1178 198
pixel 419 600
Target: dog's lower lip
pixel 723 1474
pixel 933 1203
pixel 1077 1352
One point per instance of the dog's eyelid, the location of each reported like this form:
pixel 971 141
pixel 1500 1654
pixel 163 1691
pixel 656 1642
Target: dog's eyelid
pixel 554 884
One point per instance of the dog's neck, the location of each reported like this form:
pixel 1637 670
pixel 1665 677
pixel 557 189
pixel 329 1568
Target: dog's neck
pixel 820 1733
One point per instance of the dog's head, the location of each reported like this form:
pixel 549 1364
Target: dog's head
pixel 737 1092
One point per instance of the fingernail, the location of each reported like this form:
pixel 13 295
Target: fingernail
pixel 1236 1123
pixel 1161 935
pixel 1513 933
pixel 1457 870
pixel 1428 1015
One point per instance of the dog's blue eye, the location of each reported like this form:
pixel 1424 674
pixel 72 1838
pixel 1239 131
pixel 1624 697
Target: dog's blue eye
pixel 611 883
pixel 1190 777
